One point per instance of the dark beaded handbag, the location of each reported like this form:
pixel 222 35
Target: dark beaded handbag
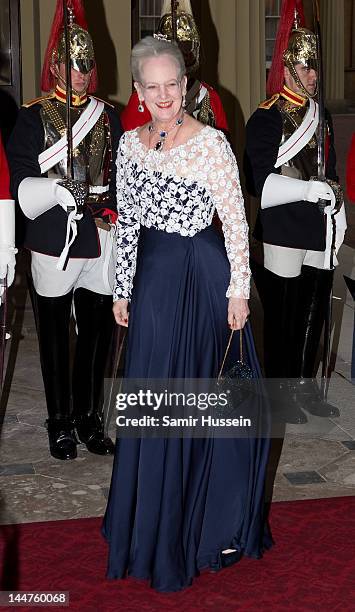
pixel 234 380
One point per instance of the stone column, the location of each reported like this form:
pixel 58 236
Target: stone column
pixel 250 53
pixel 233 37
pixel 332 24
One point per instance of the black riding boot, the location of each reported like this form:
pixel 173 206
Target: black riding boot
pixel 280 297
pixel 315 289
pixel 95 320
pixel 52 319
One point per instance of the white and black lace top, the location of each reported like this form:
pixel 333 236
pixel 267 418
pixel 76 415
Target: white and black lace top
pixel 178 190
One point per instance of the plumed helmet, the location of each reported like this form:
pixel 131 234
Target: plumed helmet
pixel 293 45
pixel 82 55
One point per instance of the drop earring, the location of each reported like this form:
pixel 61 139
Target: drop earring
pixel 140 107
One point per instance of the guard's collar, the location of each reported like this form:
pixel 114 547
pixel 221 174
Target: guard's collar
pixel 293 97
pixel 76 99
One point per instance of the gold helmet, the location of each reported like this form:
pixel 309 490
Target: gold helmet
pixel 301 49
pixel 293 45
pixel 187 35
pixel 82 57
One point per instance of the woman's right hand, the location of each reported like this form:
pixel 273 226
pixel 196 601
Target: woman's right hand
pixel 120 311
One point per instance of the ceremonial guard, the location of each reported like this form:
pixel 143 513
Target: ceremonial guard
pixel 7 227
pixel 301 222
pixel 201 100
pixel 65 185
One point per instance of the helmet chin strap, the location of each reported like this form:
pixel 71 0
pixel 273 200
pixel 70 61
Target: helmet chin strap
pixel 63 83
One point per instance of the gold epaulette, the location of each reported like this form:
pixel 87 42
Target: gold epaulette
pixel 104 101
pixel 269 102
pixel 38 100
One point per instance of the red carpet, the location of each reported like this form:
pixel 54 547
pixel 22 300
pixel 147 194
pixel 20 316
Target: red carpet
pixel 311 567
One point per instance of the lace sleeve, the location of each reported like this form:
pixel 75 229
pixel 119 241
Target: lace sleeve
pixel 229 202
pixel 127 234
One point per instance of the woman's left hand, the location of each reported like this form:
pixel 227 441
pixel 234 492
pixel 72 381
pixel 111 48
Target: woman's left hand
pixel 238 312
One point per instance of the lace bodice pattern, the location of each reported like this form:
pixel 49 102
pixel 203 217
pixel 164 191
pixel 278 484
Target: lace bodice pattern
pixel 178 191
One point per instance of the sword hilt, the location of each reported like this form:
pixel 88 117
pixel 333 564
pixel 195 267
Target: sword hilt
pixel 78 190
pixel 322 204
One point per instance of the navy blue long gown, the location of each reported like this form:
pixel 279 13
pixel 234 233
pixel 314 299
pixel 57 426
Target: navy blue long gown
pixel 175 504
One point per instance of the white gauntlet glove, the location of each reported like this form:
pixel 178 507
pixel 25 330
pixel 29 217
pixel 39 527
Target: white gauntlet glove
pixel 317 190
pixel 7 264
pixel 37 195
pixel 279 190
pixel 7 243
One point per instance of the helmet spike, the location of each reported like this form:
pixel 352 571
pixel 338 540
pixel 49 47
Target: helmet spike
pixel 297 21
pixel 70 16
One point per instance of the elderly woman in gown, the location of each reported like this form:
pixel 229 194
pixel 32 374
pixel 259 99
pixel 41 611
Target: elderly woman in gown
pixel 178 506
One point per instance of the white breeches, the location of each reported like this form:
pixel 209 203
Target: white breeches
pixel 288 262
pixel 96 275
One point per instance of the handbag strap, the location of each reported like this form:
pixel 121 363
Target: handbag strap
pixel 227 350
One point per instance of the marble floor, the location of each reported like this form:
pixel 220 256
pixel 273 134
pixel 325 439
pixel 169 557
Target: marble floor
pixel 317 459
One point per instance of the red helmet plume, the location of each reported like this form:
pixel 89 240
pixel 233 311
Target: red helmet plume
pixel 48 81
pixel 287 19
